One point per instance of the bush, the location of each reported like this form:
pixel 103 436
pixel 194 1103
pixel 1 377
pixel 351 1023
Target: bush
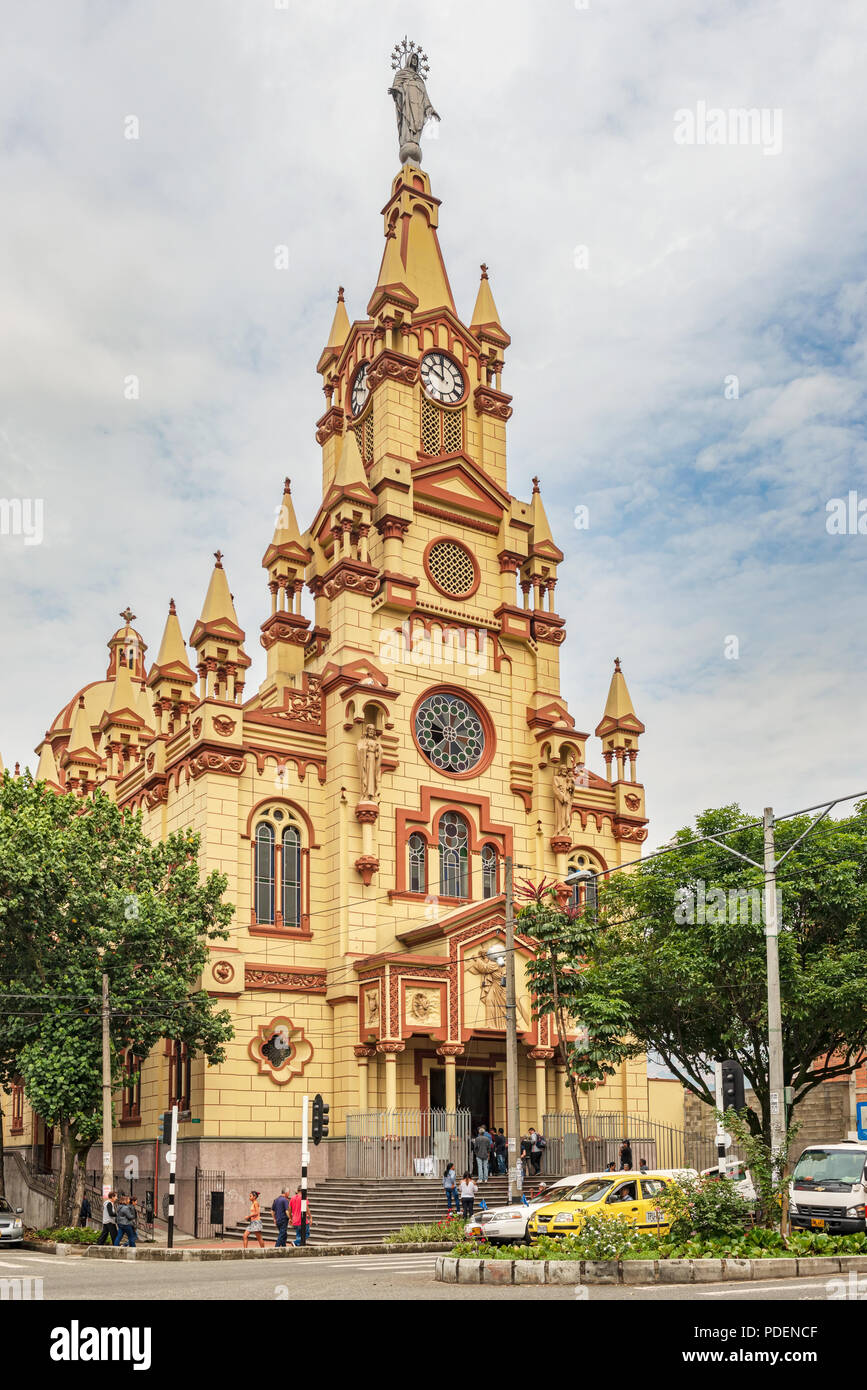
pixel 704 1208
pixel 67 1235
pixel 755 1244
pixel 451 1228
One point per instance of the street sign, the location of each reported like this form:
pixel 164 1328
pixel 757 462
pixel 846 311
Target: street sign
pixel 171 1155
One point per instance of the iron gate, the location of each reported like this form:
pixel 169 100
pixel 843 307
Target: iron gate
pixel 407 1143
pixel 209 1203
pixel 663 1146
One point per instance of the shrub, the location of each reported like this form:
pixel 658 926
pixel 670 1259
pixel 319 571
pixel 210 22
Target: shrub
pixel 704 1208
pixel 67 1235
pixel 450 1228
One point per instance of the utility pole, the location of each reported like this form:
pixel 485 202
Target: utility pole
pixel 305 1159
pixel 513 1106
pixel 107 1155
pixel 776 1077
pixel 172 1157
pixel 720 1132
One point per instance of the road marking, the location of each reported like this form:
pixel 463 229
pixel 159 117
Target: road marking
pixel 6 1264
pixel 763 1286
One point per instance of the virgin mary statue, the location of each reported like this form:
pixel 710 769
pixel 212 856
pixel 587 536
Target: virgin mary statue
pixel 413 109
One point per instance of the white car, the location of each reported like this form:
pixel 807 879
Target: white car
pixel 508 1225
pixel 740 1176
pixel 11 1225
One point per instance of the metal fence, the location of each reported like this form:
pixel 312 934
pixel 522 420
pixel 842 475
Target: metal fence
pixel 662 1146
pixel 406 1143
pixel 209 1200
pixel 140 1188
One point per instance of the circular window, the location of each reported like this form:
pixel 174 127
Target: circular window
pixel 451 569
pixel 450 733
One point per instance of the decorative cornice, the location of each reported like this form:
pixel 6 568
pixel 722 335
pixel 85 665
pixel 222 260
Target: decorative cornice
pixel 283 979
pixel 490 402
pixel 331 423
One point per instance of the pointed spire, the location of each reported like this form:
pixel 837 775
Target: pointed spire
pixel 543 542
pixel 48 771
pixel 392 270
pixel 218 605
pixel 173 649
pixel 619 710
pixel 485 321
pixel 339 325
pixel 80 748
pixel 124 696
pixel 350 467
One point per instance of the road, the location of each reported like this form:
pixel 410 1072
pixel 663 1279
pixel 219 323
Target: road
pixel 343 1277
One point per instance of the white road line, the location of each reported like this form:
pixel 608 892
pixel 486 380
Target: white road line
pixel 66 1260
pixel 7 1264
pixel 771 1284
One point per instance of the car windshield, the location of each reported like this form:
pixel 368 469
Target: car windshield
pixel 589 1191
pixel 819 1167
pixel 4 1205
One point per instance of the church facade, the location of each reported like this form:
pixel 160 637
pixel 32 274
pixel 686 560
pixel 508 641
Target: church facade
pixel 410 733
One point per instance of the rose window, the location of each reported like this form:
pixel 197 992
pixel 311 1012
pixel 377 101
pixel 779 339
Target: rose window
pixel 449 733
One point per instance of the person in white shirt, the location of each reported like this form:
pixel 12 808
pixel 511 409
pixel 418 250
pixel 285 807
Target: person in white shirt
pixel 468 1190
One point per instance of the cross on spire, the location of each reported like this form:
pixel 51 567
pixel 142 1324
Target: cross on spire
pixel 127 615
pixel 218 556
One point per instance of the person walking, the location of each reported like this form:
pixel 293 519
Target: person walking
pixel 468 1191
pixel 84 1212
pixel 125 1222
pixel 482 1151
pixel 297 1216
pixel 538 1143
pixel 254 1225
pixel 450 1184
pixel 280 1208
pixel 500 1150
pixel 109 1220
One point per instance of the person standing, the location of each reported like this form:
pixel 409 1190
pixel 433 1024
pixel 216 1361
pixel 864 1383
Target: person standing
pixel 450 1184
pixel 125 1223
pixel 280 1208
pixel 109 1220
pixel 468 1191
pixel 625 1156
pixel 537 1145
pixel 297 1216
pixel 482 1151
pixel 500 1149
pixel 84 1211
pixel 254 1225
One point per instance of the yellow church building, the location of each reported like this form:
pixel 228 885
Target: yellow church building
pixel 409 733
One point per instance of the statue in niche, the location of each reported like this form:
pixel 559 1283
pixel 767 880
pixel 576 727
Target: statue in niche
pixel 369 754
pixel 564 786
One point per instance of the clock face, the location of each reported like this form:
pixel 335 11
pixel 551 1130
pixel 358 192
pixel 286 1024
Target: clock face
pixel 360 390
pixel 442 378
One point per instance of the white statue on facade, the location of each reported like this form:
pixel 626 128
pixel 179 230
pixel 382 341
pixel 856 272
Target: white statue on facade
pixel 412 105
pixel 369 754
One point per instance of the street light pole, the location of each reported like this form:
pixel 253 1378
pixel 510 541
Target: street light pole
pixel 776 1075
pixel 107 1155
pixel 513 1108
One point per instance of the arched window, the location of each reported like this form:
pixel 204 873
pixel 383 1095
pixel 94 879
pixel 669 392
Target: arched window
pixel 291 877
pixel 417 864
pixel 179 1075
pixel 264 886
pixel 454 857
pixel 17 1126
pixel 585 893
pixel 489 872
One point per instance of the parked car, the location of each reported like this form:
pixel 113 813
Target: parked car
pixel 11 1225
pixel 828 1188
pixel 507 1225
pixel 739 1174
pixel 633 1195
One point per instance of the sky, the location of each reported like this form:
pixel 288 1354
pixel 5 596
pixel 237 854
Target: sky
pixel 686 297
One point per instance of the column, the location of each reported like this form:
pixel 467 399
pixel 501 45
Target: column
pixel 449 1052
pixel 363 1055
pixel 390 1051
pixel 541 1056
pixel 564 1100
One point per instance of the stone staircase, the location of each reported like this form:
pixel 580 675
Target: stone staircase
pixel 362 1210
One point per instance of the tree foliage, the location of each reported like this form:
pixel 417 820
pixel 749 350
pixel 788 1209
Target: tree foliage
pixel 83 891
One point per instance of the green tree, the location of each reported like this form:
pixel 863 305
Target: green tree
pixel 677 947
pixel 82 891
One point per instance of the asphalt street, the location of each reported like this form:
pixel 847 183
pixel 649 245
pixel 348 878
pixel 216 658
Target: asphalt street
pixel 377 1277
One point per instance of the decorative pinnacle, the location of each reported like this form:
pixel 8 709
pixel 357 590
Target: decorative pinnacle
pixel 218 556
pixel 127 615
pixel 484 270
pixel 286 486
pixel 536 485
pixel 339 294
pixel 172 608
pixel 617 663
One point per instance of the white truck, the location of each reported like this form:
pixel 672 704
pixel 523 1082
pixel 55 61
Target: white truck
pixel 828 1188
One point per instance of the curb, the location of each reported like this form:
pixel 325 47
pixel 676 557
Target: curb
pixel 150 1252
pixel 450 1270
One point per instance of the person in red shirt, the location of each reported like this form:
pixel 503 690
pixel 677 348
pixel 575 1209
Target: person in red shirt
pixel 295 1215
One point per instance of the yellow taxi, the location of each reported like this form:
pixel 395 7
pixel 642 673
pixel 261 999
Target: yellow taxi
pixel 633 1195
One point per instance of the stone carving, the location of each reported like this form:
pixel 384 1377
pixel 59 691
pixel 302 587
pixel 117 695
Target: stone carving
pixel 371 1008
pixel 423 1006
pixel 223 972
pixel 633 801
pixel 285 978
pixel 224 725
pixel 412 104
pixel 280 1049
pixel 563 785
pixel 493 990
pixel 369 755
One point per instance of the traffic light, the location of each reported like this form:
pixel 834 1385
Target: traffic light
pixel 164 1131
pixel 732 1086
pixel 320 1119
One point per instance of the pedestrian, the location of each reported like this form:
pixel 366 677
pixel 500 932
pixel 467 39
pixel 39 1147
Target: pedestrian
pixel 468 1191
pixel 625 1156
pixel 538 1143
pixel 642 1167
pixel 109 1220
pixel 297 1215
pixel 280 1208
pixel 84 1211
pixel 125 1222
pixel 612 1168
pixel 500 1150
pixel 450 1184
pixel 254 1225
pixel 482 1151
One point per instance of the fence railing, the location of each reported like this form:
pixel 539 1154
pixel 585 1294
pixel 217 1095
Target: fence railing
pixel 406 1143
pixel 661 1145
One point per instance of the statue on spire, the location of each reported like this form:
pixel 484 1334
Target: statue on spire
pixel 412 104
